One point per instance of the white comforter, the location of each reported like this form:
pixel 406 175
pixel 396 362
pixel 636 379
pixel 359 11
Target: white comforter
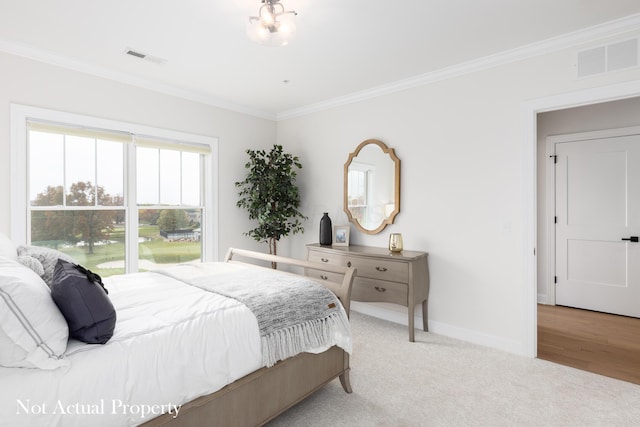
pixel 162 322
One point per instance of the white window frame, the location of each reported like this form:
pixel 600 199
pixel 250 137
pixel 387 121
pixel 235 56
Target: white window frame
pixel 19 174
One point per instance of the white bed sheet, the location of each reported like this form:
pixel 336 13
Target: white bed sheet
pixel 161 321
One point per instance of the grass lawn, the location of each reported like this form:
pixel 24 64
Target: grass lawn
pixel 155 249
pixel 101 254
pixel 163 252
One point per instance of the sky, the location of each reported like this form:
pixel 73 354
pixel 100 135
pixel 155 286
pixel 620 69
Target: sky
pixel 164 177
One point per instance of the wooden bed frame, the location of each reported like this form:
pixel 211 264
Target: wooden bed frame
pixel 264 394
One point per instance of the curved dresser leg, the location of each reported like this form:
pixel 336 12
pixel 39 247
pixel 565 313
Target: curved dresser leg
pixel 346 383
pixel 425 317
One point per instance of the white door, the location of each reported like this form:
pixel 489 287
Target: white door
pixel 597 224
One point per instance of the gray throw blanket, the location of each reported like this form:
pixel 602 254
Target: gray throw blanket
pixel 294 313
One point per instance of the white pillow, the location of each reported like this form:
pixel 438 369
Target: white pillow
pixel 33 332
pixel 7 248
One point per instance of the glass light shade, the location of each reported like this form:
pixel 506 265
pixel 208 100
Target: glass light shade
pixel 280 33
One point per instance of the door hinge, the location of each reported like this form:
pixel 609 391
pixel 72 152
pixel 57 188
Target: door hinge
pixel 555 279
pixel 555 219
pixel 555 158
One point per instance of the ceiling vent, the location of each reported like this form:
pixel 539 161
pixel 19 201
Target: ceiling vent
pixel 141 55
pixel 611 57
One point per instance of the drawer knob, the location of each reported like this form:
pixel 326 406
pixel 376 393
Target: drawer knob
pixel 383 269
pixel 323 277
pixel 380 289
pixel 324 260
pixel 348 263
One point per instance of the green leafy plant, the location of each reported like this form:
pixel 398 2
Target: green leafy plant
pixel 270 195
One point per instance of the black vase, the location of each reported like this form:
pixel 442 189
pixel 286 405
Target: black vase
pixel 326 237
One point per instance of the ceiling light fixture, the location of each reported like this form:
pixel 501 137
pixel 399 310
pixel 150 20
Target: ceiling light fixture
pixel 274 26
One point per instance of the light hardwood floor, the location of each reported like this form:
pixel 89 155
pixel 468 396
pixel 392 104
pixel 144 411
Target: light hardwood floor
pixel 606 344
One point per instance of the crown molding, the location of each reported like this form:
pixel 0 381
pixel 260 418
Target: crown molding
pixel 47 57
pixel 588 35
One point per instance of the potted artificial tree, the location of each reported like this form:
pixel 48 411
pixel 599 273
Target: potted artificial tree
pixel 270 195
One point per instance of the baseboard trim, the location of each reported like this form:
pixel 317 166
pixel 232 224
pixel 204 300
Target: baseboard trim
pixel 440 328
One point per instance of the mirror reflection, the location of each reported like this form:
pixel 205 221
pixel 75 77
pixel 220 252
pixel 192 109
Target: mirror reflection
pixel 372 186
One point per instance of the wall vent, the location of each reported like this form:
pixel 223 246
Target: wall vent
pixel 136 54
pixel 146 57
pixel 611 57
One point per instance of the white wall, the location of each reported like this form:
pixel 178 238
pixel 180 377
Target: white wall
pixel 28 82
pixel 461 142
pixel 605 115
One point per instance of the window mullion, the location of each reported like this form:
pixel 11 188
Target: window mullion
pixel 131 216
pixel 159 175
pixel 209 189
pixel 95 172
pixel 64 170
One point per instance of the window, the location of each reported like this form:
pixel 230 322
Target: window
pixel 119 197
pixel 169 194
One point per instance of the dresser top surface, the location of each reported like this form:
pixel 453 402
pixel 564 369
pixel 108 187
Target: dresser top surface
pixel 369 251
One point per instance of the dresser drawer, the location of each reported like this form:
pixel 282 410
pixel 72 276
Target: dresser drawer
pixel 380 269
pixel 374 268
pixel 324 275
pixel 327 258
pixel 369 290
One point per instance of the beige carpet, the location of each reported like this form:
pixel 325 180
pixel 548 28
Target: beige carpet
pixel 439 381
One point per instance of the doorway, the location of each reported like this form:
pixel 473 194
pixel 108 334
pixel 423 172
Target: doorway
pixel 586 118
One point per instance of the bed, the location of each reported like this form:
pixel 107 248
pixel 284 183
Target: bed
pixel 186 355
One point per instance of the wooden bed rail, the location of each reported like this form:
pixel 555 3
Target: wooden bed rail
pixel 342 290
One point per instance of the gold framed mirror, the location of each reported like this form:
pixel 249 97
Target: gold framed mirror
pixel 372 186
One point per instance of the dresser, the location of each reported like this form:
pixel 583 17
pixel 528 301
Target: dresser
pixel 381 276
